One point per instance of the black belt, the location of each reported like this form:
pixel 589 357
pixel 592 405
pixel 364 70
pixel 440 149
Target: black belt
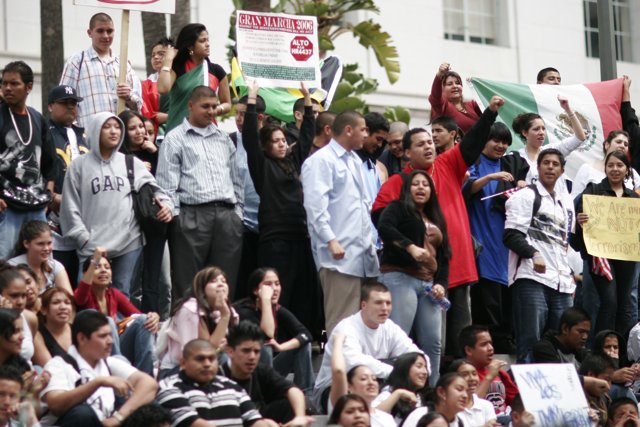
pixel 214 204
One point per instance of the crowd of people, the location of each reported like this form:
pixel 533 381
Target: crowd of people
pixel 370 242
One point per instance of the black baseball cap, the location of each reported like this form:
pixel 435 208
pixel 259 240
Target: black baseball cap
pixel 63 92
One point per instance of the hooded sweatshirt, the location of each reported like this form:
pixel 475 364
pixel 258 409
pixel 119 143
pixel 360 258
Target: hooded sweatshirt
pixel 97 207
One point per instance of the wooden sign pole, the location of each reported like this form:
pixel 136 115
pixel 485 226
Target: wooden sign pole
pixel 124 48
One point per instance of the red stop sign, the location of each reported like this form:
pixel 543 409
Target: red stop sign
pixel 301 48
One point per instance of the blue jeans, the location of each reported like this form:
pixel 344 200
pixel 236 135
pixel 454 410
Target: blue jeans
pixel 10 222
pixel 413 310
pixel 297 361
pixel 536 309
pixel 122 269
pixel 136 344
pixel 611 305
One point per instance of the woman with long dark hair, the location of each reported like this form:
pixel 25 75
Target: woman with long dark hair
pixel 351 410
pixel 56 316
pixel 284 237
pixel 617 309
pixel 450 397
pixel 187 67
pixel 415 262
pixel 288 341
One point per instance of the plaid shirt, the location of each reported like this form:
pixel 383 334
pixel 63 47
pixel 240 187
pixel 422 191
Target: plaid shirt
pixel 96 81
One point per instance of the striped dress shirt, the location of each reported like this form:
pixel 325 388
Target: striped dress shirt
pixel 96 80
pixel 199 165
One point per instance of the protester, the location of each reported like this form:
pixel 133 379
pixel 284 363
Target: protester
pixel 360 380
pixel 33 292
pixel 531 129
pixel 185 68
pixel 392 155
pixel 294 131
pixel 493 173
pixel 11 339
pixel 27 158
pixel 433 419
pixel 274 396
pixel 623 412
pixel 323 134
pixel 567 344
pixel 98 201
pixel 539 273
pixel 34 247
pixel 372 339
pixel 56 314
pixel 198 168
pixel 451 397
pixel 94 74
pixel 415 262
pixel 615 281
pixel 448 171
pixel 204 313
pixel 446 99
pixel 288 342
pixel 154 106
pixel 600 367
pixel 284 242
pixel 150 415
pixel 338 209
pixel 350 410
pixel 69 142
pixel 548 76
pixel 630 123
pixel 478 412
pixel 134 337
pixel 198 396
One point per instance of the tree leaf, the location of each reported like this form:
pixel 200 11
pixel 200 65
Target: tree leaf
pixel 397 114
pixel 370 36
pixel 348 103
pixel 343 90
pixel 326 43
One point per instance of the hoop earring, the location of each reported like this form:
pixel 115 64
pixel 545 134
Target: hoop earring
pixel 190 52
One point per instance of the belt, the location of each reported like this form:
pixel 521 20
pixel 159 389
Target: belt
pixel 214 204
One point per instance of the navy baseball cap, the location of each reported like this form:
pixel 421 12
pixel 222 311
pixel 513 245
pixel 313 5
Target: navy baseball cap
pixel 63 92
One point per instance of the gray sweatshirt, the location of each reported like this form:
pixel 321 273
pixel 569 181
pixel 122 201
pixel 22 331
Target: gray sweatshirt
pixel 97 203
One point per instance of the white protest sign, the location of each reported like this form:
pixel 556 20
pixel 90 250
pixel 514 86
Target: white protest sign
pixel 157 6
pixel 277 49
pixel 553 394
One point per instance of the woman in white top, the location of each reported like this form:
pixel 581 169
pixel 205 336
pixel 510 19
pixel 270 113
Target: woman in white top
pixel 359 380
pixel 531 129
pixel 478 412
pixel 451 398
pixel 34 248
pixel 617 140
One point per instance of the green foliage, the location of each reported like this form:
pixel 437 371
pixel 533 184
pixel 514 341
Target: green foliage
pixel 397 114
pixel 350 89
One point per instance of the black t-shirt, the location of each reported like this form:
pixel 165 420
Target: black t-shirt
pixel 264 387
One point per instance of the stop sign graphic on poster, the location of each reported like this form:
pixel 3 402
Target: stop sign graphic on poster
pixel 301 48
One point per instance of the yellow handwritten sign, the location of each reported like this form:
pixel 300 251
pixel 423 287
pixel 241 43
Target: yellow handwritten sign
pixel 613 229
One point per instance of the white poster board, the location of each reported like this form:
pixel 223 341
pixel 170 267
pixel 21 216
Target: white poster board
pixel 553 394
pixel 277 49
pixel 157 6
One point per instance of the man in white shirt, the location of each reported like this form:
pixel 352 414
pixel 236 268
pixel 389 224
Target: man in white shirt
pixel 84 384
pixel 338 210
pixel 371 339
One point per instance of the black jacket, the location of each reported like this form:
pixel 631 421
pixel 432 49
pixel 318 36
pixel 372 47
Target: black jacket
pixel 57 135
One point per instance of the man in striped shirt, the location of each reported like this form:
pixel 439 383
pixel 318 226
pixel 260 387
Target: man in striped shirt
pixel 198 397
pixel 197 167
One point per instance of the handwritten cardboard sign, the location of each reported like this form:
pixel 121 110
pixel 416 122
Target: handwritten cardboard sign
pixel 613 229
pixel 277 49
pixel 553 394
pixel 157 6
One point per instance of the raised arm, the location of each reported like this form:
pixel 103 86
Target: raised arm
pixel 308 126
pixel 339 383
pixel 630 122
pixel 474 141
pixel 166 76
pixel 250 140
pixel 435 98
pixel 578 130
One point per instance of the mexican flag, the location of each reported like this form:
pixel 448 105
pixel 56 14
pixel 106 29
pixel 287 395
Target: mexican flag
pixel 596 104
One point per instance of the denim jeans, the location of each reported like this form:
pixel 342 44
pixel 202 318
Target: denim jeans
pixel 611 305
pixel 297 361
pixel 79 415
pixel 536 309
pixel 122 270
pixel 413 310
pixel 10 222
pixel 136 344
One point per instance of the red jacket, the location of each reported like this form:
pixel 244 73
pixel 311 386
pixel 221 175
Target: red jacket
pixel 117 302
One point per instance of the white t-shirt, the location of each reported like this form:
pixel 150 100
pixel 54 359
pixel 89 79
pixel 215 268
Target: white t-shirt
pixel 64 378
pixel 479 414
pixel 50 277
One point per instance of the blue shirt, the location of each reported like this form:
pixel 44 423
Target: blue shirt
pixel 338 207
pixel 487 224
pixel 251 197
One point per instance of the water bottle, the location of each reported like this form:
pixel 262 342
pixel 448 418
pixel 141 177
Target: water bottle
pixel 443 302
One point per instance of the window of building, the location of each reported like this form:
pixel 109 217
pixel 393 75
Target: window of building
pixel 622 31
pixel 473 21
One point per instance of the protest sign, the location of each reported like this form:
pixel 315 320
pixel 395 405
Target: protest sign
pixel 553 394
pixel 613 229
pixel 157 6
pixel 277 49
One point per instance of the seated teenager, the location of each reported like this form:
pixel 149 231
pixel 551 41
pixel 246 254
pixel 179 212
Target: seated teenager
pixel 600 367
pixel 12 410
pixel 83 393
pixel 566 345
pixel 623 412
pixel 275 397
pixel 11 338
pixel 351 410
pixel 285 335
pixel 56 315
pixel 478 412
pixel 204 313
pixel 135 330
pixel 198 397
pixel 33 293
